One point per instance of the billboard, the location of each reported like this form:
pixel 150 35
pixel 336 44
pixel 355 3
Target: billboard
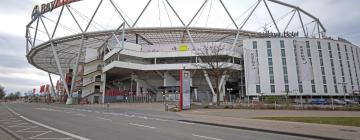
pixel 185 89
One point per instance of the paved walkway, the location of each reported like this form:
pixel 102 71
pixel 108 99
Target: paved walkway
pixel 241 118
pixel 5 136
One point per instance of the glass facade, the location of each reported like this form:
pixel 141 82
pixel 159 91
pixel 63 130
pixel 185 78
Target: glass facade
pixel 271 67
pixel 258 87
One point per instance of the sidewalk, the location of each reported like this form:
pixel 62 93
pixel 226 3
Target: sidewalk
pixel 5 136
pixel 238 118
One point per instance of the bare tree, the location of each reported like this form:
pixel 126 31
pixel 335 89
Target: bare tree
pixel 2 92
pixel 215 62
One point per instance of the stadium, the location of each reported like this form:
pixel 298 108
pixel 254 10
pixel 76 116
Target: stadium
pixel 105 51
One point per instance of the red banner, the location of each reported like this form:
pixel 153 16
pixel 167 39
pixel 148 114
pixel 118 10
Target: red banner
pixel 47 88
pixel 42 88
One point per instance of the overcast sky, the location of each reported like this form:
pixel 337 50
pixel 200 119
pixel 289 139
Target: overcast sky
pixel 340 18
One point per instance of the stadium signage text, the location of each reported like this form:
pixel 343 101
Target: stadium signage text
pixel 47 7
pixel 284 34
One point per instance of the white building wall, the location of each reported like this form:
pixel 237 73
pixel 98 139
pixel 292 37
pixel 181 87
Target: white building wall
pixel 292 68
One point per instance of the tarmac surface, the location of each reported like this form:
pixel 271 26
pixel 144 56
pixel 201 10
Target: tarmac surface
pixel 56 121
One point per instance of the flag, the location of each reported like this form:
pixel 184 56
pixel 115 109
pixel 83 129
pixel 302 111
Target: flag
pixel 42 88
pixel 252 66
pixel 47 88
pixel 304 64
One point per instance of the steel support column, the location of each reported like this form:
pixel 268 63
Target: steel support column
pixel 302 23
pixel 272 17
pixel 52 84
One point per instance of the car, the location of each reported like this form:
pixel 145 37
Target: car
pixel 348 101
pixel 318 101
pixel 339 102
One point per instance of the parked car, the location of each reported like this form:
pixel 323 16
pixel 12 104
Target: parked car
pixel 318 101
pixel 339 102
pixel 348 101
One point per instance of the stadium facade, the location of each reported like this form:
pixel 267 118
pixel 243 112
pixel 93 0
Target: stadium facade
pixel 110 65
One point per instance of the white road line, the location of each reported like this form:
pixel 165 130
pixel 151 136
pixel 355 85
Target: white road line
pixel 55 129
pixel 103 118
pixel 185 122
pixel 163 120
pixel 96 111
pixel 206 137
pixel 146 126
pixel 13 112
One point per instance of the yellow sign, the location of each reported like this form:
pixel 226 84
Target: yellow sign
pixel 183 48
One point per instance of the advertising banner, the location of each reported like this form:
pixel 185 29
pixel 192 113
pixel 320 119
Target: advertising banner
pixel 185 89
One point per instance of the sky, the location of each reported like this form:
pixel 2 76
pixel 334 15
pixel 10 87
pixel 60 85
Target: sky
pixel 340 18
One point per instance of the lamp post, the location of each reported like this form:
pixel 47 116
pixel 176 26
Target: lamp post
pixel 343 86
pixel 286 95
pixel 301 101
pixel 229 92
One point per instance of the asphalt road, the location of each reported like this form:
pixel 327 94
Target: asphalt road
pixel 41 121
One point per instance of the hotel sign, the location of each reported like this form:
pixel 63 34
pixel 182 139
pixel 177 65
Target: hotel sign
pixel 284 34
pixel 47 7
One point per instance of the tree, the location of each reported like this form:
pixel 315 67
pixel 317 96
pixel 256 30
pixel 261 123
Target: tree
pixel 216 63
pixel 2 92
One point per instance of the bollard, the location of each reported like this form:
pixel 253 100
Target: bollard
pixel 107 106
pixel 166 107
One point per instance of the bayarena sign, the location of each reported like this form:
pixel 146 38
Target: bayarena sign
pixel 47 7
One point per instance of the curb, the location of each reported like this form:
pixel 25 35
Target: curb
pixel 11 133
pixel 263 130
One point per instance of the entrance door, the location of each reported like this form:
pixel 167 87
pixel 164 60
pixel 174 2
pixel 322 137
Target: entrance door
pixel 96 99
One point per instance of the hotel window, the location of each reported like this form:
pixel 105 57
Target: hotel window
pixel 324 79
pixel 286 79
pixel 271 71
pixel 272 81
pixel 254 45
pixel 336 89
pixel 268 44
pixel 283 52
pixel 319 45
pixel 258 89
pixel 285 71
pixel 270 62
pixel 325 89
pixel 282 45
pixel 272 88
pixel 284 61
pixel 269 53
pixel 307 44
pixel 313 89
pixel 322 70
pixel 301 89
pixel 287 88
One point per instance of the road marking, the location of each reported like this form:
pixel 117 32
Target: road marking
pixel 54 129
pixel 185 122
pixel 13 112
pixel 163 120
pixel 206 137
pixel 146 126
pixel 96 111
pixel 45 126
pixel 103 118
pixel 19 125
pixel 22 130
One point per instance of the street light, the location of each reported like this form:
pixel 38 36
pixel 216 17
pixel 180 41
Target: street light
pixel 301 101
pixel 229 91
pixel 343 86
